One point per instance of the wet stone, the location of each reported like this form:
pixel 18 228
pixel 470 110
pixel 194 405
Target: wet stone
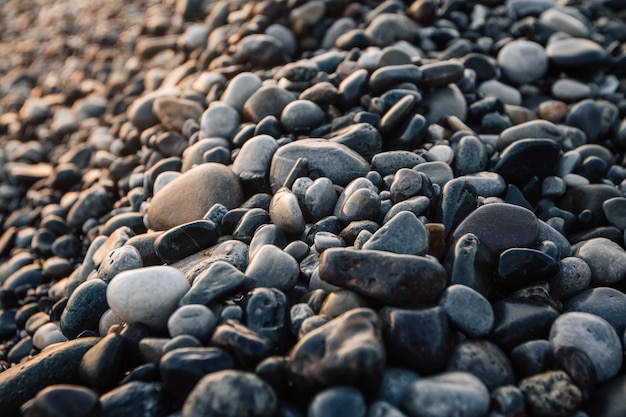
pixel 449 393
pixel 255 155
pixel 519 266
pixel 266 234
pixel 470 156
pixel 354 353
pixel 103 365
pixel 93 202
pixel 301 116
pixel 134 397
pixel 84 308
pixel 402 284
pixel 247 346
pixel 615 211
pixel 575 53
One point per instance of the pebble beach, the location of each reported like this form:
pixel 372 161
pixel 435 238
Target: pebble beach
pixel 324 208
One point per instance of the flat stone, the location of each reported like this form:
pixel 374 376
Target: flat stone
pixel 57 365
pixel 518 321
pixel 173 112
pixel 200 188
pixel 527 158
pixel 408 280
pixel 500 226
pixel 337 162
pixel 575 53
pixel 445 102
pixel 266 101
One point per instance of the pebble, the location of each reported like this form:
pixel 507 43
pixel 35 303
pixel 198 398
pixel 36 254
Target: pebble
pixel 403 234
pixel 522 61
pixel 54 400
pixel 603 302
pixel 357 270
pixel 134 397
pixel 194 320
pixel 573 277
pixel 338 401
pixel 592 335
pixel 337 162
pixel 450 393
pixel 468 310
pixel 273 268
pixel 518 321
pixel 56 365
pixel 487 223
pixel 266 101
pixel 503 92
pixel 571 53
pixel 354 353
pixel 551 394
pixel 84 308
pixel 606 260
pixel 218 185
pixel 147 295
pixel 240 89
pixel 103 365
pixel 182 368
pixel 484 360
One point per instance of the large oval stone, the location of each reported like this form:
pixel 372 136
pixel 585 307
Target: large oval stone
pixel 147 295
pixel 189 197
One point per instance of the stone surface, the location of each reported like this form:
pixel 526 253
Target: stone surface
pixel 200 188
pixel 407 280
pixel 147 295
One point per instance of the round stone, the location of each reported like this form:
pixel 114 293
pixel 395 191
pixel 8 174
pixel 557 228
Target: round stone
pixel 337 402
pixel 523 61
pixel 468 310
pixel 606 259
pixel 301 115
pixel 193 319
pixel 147 295
pixel 592 335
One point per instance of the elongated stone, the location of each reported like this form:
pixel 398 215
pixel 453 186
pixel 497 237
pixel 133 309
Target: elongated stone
pixel 401 280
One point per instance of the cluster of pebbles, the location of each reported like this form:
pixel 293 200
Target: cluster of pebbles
pixel 313 208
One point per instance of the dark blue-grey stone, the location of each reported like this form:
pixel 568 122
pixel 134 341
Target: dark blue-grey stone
pixel 518 321
pixel 266 312
pixel 528 158
pixel 134 398
pixel 468 310
pixel 484 360
pixel 420 339
pixel 181 369
pixel 391 75
pixel 607 303
pixel 218 281
pixel 363 138
pixel 403 280
pixel 520 266
pixel 103 366
pixel 337 402
pixel 186 239
pixel 57 365
pixel 585 115
pixel 470 156
pixel 249 223
pixel 576 53
pixel 92 203
pixel 532 357
pixel 231 393
pixel 459 199
pixel 402 234
pixel 469 262
pixel 26 276
pixel 247 346
pixel 64 400
pixel 353 87
pixel 84 308
pixel 388 163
